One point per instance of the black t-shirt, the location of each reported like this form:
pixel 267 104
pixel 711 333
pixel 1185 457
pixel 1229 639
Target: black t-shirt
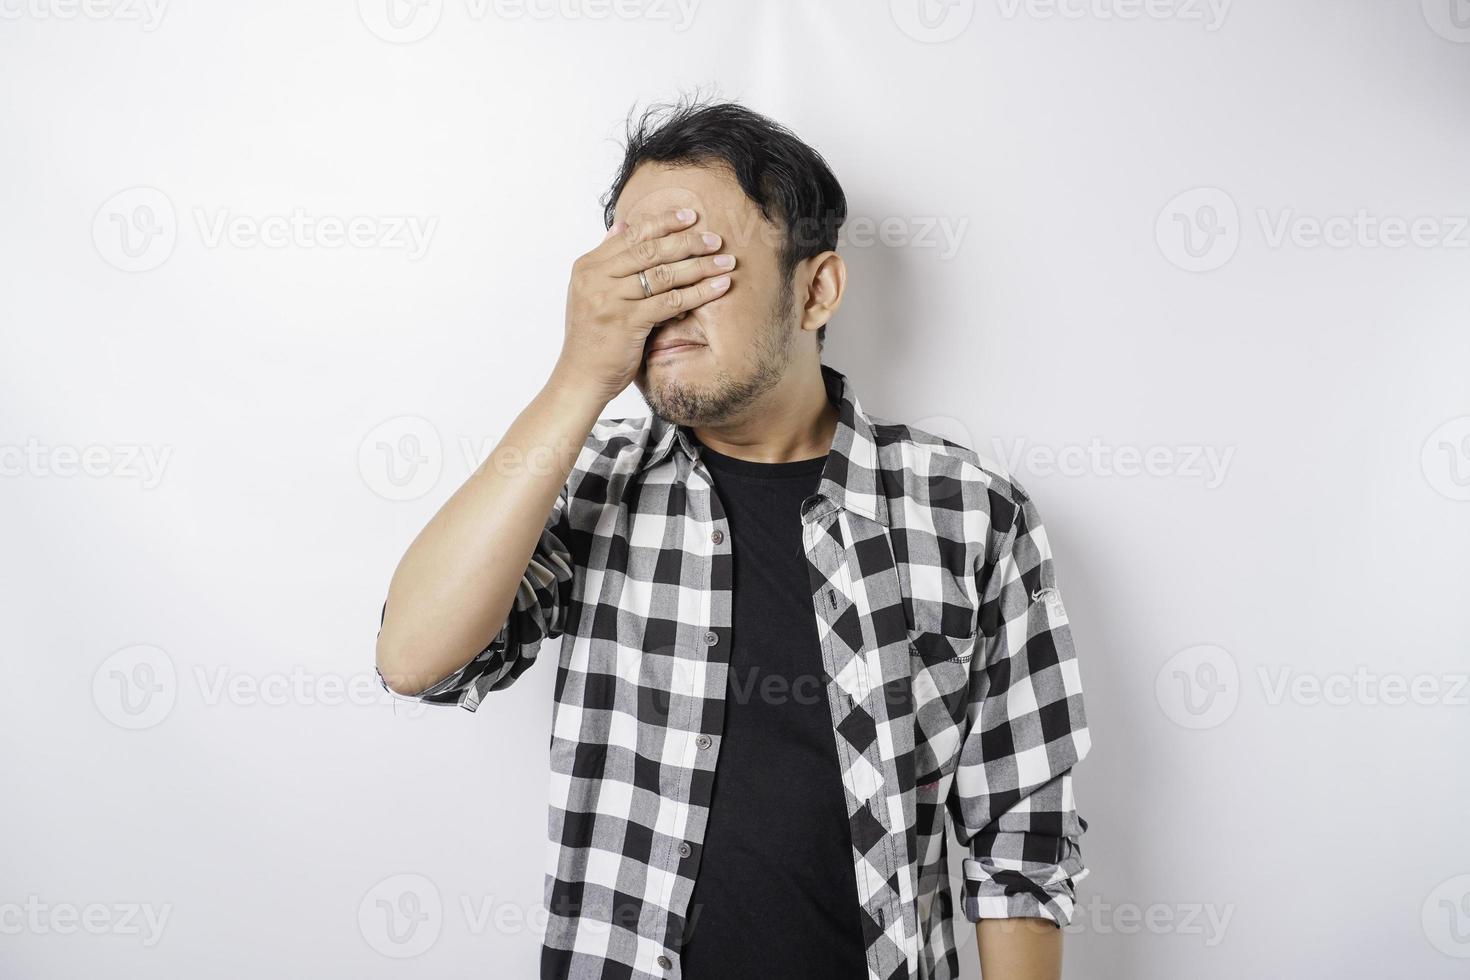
pixel 774 896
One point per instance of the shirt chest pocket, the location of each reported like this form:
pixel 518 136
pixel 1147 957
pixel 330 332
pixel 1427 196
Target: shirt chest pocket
pixel 940 665
pixel 936 648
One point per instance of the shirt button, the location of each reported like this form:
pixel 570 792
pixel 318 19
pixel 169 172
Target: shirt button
pixel 711 638
pixel 704 741
pixel 717 536
pixel 664 963
pixel 684 849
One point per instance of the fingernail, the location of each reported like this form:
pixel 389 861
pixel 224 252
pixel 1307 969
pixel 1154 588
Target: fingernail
pixel 710 239
pixel 725 261
pixel 685 215
pixel 719 282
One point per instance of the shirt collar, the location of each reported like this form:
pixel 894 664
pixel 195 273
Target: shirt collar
pixel 850 478
pixel 663 436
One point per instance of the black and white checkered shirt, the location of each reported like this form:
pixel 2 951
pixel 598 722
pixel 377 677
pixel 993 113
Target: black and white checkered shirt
pixel 950 674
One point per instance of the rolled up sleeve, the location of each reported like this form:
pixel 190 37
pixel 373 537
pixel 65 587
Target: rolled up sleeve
pixel 540 611
pixel 1012 796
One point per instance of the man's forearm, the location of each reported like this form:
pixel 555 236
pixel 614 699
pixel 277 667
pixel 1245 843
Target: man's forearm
pixel 457 582
pixel 1019 949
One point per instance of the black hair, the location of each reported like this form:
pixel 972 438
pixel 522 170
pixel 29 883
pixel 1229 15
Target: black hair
pixel 787 179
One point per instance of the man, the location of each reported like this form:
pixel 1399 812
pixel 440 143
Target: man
pixel 796 637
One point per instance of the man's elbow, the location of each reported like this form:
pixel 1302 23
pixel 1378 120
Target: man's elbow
pixel 397 670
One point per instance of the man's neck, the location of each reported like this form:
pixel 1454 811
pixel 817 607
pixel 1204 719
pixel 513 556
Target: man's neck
pixel 792 421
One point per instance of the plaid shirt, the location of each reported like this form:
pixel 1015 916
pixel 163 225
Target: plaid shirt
pixel 949 670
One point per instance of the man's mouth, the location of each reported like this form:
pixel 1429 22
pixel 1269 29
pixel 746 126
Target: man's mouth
pixel 669 346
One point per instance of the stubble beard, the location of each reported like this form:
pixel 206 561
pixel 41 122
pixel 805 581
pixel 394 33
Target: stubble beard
pixel 727 397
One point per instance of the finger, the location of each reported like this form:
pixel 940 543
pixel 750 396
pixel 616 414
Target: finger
pixel 672 275
pixel 643 255
pixel 657 309
pixel 642 227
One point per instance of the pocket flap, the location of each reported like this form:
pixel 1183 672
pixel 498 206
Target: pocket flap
pixel 935 648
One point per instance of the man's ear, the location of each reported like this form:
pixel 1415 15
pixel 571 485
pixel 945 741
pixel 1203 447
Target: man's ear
pixel 826 282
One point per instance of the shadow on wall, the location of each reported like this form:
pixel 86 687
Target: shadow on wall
pixel 876 338
pixel 911 316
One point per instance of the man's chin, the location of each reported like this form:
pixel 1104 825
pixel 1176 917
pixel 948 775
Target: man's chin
pixel 673 401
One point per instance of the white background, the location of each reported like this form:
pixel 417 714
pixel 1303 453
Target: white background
pixel 1274 649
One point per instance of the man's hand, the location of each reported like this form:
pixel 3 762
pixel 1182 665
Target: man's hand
pixel 609 318
pixel 457 583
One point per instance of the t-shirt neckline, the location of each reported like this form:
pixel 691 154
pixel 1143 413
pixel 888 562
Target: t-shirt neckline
pixel 757 470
